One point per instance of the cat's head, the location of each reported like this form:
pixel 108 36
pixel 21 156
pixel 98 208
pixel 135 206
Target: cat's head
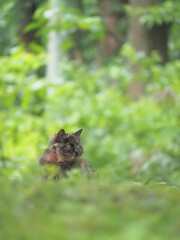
pixel 68 145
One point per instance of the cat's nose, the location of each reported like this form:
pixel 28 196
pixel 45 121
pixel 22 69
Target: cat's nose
pixel 76 151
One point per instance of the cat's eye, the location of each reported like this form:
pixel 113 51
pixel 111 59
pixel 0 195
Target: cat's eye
pixel 65 140
pixel 72 144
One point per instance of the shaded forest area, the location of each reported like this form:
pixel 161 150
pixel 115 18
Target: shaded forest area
pixel 111 68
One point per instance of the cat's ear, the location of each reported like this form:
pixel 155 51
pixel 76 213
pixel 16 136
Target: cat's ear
pixel 61 133
pixel 78 133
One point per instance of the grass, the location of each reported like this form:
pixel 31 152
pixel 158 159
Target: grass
pixel 78 208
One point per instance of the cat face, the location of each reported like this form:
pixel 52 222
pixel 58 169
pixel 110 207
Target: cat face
pixel 68 145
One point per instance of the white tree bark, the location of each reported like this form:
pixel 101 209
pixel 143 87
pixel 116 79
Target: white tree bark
pixel 53 70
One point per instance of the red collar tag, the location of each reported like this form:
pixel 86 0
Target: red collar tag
pixel 52 157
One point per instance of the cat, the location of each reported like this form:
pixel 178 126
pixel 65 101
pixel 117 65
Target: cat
pixel 64 153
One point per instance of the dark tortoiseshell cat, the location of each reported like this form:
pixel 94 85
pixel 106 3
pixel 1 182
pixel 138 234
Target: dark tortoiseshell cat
pixel 64 153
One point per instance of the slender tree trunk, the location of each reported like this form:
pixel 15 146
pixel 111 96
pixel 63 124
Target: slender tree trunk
pixel 54 71
pixel 137 35
pixel 55 55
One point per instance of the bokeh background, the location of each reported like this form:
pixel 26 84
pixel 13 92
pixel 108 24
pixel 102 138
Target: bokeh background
pixel 113 69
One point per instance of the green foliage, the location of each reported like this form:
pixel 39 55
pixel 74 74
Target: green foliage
pixel 131 141
pixel 87 25
pixel 164 12
pixel 80 209
pixel 159 13
pixel 139 138
pixel 7 21
pixel 21 88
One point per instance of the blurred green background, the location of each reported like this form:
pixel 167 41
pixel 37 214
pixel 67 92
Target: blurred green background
pixel 113 69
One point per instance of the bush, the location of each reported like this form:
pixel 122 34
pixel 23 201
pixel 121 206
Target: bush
pixel 134 138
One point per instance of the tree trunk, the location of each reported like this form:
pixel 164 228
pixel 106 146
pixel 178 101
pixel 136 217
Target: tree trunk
pixel 53 70
pixel 147 39
pixel 157 39
pixel 26 10
pixel 113 17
